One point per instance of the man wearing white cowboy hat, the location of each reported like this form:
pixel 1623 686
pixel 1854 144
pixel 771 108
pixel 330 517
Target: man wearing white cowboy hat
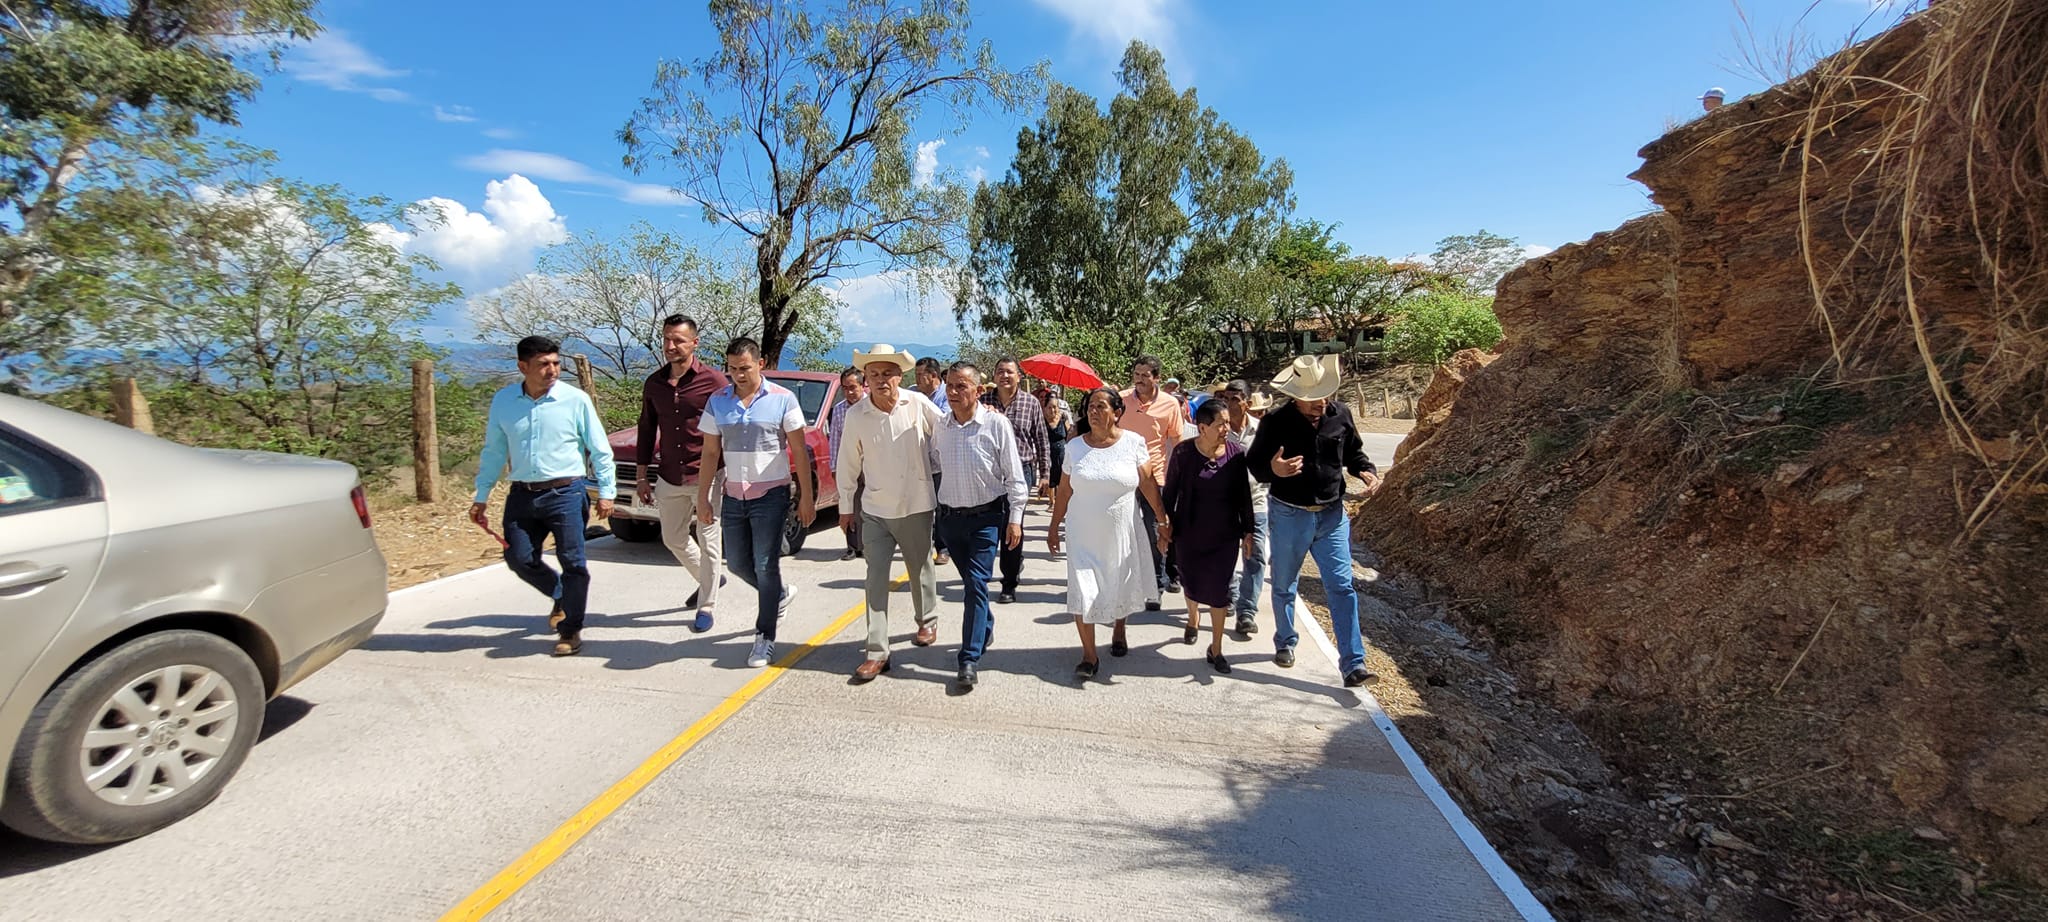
pixel 885 451
pixel 1712 99
pixel 1303 450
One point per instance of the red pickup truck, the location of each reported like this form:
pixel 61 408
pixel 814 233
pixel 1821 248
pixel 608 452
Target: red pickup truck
pixel 815 391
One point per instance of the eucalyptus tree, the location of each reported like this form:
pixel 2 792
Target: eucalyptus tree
pixel 801 134
pixel 1140 221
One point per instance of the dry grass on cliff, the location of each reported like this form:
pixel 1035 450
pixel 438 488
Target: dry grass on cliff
pixel 1964 157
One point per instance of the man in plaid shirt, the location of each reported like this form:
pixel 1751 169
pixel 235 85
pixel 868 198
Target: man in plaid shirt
pixel 1027 419
pixel 852 387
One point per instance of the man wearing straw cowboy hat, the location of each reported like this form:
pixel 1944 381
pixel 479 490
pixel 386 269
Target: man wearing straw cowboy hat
pixel 885 452
pixel 1302 450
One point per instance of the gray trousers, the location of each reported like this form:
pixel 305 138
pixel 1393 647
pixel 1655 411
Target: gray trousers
pixel 879 540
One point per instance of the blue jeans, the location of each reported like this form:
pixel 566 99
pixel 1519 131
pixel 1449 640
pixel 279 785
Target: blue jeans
pixel 1254 577
pixel 530 517
pixel 752 529
pixel 1298 533
pixel 1164 569
pixel 972 540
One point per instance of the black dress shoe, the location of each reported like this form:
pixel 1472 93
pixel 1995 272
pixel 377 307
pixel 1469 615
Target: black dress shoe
pixel 1190 634
pixel 1173 586
pixel 1119 647
pixel 691 602
pixel 1151 606
pixel 1358 677
pixel 1284 657
pixel 1247 626
pixel 1222 665
pixel 1086 670
pixel 967 677
pixel 1006 596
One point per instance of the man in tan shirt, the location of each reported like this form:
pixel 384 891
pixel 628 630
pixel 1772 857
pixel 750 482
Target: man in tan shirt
pixel 1156 415
pixel 885 453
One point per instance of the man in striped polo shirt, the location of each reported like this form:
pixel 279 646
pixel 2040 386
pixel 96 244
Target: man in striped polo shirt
pixel 748 427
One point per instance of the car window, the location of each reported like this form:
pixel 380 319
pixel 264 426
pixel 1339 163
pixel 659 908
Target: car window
pixel 33 477
pixel 809 394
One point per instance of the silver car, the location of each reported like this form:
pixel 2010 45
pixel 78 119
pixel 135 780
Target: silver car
pixel 155 597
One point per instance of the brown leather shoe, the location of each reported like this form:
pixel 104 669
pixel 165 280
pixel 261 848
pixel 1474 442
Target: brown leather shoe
pixel 555 619
pixel 870 668
pixel 927 634
pixel 570 645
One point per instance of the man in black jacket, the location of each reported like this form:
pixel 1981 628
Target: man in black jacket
pixel 1303 450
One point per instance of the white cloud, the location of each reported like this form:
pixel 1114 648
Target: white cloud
pixel 1112 24
pixel 337 63
pixel 976 176
pixel 981 152
pixel 888 307
pixel 533 163
pixel 562 169
pixel 501 134
pixel 454 114
pixel 515 222
pixel 927 167
pixel 1536 249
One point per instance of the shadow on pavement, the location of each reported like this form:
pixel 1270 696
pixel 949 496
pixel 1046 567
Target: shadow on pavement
pixel 20 854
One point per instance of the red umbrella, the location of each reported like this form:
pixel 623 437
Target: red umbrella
pixel 1063 370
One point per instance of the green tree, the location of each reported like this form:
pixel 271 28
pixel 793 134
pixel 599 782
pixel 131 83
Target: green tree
pixel 91 90
pixel 801 137
pixel 1476 262
pixel 610 295
pixel 1137 226
pixel 1430 328
pixel 281 305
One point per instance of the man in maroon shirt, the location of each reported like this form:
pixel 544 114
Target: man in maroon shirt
pixel 671 400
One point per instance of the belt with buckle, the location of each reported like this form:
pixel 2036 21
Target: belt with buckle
pixel 994 505
pixel 541 486
pixel 1315 508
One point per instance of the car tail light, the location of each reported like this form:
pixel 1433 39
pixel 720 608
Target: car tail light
pixel 362 504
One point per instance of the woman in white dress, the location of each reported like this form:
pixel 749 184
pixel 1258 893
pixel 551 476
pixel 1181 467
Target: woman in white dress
pixel 1109 568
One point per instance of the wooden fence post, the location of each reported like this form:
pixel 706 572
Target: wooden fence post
pixel 131 409
pixel 583 380
pixel 426 440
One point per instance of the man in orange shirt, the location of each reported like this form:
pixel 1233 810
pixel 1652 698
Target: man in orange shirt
pixel 1156 415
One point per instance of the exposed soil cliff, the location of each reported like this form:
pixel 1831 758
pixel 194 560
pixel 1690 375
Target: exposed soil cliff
pixel 1751 487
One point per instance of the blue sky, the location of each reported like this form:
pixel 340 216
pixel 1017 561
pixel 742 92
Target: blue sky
pixel 1403 122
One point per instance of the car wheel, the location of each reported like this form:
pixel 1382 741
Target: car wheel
pixel 636 531
pixel 135 740
pixel 793 534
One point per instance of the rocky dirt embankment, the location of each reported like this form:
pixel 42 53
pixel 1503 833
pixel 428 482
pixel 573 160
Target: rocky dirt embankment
pixel 1751 490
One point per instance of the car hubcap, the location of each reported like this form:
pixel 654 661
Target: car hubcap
pixel 159 735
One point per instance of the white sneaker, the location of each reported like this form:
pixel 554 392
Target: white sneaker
pixel 788 596
pixel 764 650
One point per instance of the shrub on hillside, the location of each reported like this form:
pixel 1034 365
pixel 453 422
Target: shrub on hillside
pixel 1429 329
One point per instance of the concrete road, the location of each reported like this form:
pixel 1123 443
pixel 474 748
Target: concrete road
pixel 412 772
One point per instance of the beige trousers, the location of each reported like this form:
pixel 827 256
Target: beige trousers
pixel 700 556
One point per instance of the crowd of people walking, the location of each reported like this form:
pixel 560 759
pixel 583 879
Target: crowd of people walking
pixel 936 465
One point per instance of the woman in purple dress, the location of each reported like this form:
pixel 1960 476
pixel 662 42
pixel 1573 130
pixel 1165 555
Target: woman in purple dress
pixel 1209 503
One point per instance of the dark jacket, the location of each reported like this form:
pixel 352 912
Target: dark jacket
pixel 1328 448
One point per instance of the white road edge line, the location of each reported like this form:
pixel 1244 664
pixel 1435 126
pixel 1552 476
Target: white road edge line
pixel 1504 877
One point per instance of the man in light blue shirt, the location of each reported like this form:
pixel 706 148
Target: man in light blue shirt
pixel 547 432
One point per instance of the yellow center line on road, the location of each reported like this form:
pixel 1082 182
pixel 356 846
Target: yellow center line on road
pixel 528 866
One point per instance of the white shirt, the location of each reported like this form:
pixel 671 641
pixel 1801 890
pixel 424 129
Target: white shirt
pixel 892 451
pixel 980 462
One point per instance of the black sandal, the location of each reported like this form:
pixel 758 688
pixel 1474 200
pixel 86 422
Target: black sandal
pixel 1216 659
